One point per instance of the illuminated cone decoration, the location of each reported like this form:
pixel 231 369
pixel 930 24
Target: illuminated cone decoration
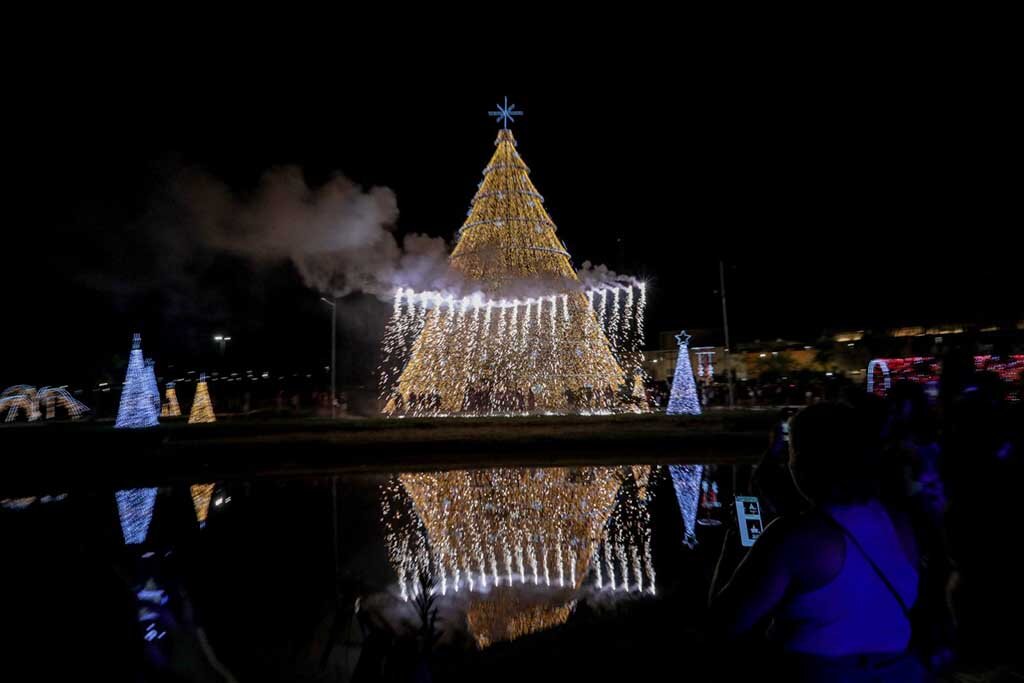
pixel 201 494
pixel 686 483
pixel 137 408
pixel 171 407
pixel 548 353
pixel 135 510
pixel 683 399
pixel 520 542
pixel 202 408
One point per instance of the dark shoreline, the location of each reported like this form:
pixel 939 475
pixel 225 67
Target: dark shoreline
pixel 38 458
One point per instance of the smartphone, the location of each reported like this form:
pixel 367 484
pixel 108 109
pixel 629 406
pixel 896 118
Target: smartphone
pixel 748 516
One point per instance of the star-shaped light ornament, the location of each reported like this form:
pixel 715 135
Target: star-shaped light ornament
pixel 505 114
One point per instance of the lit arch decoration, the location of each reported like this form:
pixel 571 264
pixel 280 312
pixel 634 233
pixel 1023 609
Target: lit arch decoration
pixel 928 369
pixel 19 397
pixel 50 396
pixel 25 397
pixel 882 365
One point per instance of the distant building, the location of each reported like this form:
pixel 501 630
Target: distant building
pixel 846 352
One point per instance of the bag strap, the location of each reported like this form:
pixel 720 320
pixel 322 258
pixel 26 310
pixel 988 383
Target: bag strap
pixel 875 567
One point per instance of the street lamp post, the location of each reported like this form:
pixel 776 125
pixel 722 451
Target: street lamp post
pixel 725 324
pixel 222 341
pixel 334 366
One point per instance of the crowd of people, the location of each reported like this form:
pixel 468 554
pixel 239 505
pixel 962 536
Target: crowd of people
pixel 890 551
pixel 798 390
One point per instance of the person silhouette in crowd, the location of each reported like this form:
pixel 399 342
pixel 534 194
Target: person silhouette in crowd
pixel 983 471
pixel 837 583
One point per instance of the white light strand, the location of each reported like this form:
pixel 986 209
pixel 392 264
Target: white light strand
pixel 504 343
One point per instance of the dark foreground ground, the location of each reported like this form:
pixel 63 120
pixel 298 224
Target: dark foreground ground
pixel 262 589
pixel 269 585
pixel 58 456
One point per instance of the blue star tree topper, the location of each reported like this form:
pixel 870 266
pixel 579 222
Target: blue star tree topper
pixel 505 114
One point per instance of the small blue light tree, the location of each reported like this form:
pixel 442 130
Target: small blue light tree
pixel 135 509
pixel 683 399
pixel 137 408
pixel 686 482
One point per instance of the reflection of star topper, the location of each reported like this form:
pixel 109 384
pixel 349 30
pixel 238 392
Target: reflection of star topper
pixel 683 339
pixel 505 113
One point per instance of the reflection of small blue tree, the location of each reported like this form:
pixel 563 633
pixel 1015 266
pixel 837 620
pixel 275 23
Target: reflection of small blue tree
pixel 686 482
pixel 135 510
pixel 137 408
pixel 683 399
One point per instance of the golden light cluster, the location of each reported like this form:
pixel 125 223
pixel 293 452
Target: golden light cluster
pixel 202 407
pixel 561 348
pixel 201 494
pixel 520 543
pixel 170 407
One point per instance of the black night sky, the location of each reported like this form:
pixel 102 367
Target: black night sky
pixel 837 200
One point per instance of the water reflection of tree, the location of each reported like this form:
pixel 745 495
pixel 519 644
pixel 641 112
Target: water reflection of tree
pixel 517 544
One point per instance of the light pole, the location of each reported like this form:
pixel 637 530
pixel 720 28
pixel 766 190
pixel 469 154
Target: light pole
pixel 725 324
pixel 222 341
pixel 334 367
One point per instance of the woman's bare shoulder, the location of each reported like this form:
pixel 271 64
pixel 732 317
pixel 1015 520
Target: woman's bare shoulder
pixel 812 548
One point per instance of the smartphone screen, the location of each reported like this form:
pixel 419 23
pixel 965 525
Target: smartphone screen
pixel 748 516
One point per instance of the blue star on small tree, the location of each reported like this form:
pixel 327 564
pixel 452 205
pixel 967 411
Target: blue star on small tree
pixel 683 399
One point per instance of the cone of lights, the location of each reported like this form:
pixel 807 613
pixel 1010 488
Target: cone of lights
pixel 520 542
pixel 202 408
pixel 683 399
pixel 686 483
pixel 201 494
pixel 137 408
pixel 497 351
pixel 135 510
pixel 173 410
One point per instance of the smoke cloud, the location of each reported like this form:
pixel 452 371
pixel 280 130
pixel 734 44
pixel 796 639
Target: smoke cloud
pixel 601 276
pixel 339 235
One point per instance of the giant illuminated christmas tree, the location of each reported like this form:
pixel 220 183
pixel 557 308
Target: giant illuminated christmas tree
pixel 137 408
pixel 530 338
